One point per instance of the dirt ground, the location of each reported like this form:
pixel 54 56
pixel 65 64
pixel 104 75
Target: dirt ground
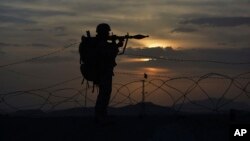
pixel 120 128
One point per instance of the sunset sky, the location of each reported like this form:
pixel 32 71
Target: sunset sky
pixel 181 29
pixel 174 23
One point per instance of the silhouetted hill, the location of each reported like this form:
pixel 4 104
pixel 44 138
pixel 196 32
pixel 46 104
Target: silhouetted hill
pixel 201 106
pixel 142 108
pixel 212 105
pixel 158 124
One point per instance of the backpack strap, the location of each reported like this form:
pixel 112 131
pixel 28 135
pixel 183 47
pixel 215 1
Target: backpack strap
pixel 87 85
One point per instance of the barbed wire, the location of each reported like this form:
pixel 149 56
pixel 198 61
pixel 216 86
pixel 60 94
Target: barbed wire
pixel 39 57
pixel 128 93
pixel 129 54
pixel 131 93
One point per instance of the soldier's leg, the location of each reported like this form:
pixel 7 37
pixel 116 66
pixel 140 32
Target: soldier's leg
pixel 105 89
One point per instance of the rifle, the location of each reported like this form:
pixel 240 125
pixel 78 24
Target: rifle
pixel 126 37
pixel 121 38
pixel 138 36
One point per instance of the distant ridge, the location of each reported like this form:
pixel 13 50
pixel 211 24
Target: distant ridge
pixel 149 108
pixel 212 105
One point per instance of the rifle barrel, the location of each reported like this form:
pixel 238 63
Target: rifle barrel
pixel 138 36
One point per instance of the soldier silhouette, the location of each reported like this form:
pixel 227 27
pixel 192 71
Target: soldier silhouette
pixel 97 56
pixel 107 52
pixel 97 59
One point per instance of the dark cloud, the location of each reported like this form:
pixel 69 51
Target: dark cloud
pixel 39 45
pixel 223 55
pixel 61 34
pixel 34 29
pixel 183 29
pixel 61 19
pixel 2 52
pixel 230 37
pixel 19 0
pixel 97 7
pixel 3 44
pixel 55 59
pixel 15 20
pixel 25 12
pixel 59 31
pixel 222 44
pixel 219 21
pixel 156 51
pixel 202 3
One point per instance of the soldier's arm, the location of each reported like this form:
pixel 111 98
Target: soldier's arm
pixel 120 43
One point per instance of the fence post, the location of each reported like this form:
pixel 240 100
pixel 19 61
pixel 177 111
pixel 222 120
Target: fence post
pixel 143 95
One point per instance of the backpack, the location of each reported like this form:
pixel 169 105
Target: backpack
pixel 89 59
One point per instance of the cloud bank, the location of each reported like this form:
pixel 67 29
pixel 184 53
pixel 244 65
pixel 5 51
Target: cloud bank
pixel 180 23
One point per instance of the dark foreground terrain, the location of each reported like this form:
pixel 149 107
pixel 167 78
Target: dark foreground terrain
pixel 122 128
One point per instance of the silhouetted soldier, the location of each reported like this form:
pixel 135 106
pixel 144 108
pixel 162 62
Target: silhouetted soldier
pixel 97 59
pixel 107 52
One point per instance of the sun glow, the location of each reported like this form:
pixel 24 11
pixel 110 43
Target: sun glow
pixel 155 43
pixel 144 59
pixel 136 60
pixel 154 71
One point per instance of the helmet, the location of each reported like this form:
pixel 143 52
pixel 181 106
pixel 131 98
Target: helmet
pixel 103 27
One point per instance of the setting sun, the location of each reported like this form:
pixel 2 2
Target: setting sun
pixel 154 70
pixel 155 43
pixel 130 60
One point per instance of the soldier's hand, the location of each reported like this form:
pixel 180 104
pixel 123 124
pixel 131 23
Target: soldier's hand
pixel 120 43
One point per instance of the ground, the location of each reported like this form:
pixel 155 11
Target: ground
pixel 122 128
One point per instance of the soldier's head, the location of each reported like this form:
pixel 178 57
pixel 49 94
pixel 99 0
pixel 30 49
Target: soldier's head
pixel 103 30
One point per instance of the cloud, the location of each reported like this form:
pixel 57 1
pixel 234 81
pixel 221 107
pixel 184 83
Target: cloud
pixel 178 56
pixel 39 45
pixel 219 21
pixel 33 12
pixel 3 44
pixel 20 15
pixel 15 20
pixel 177 64
pixel 2 52
pixel 55 59
pixel 183 30
pixel 238 54
pixel 59 31
pixel 34 29
pixel 60 20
